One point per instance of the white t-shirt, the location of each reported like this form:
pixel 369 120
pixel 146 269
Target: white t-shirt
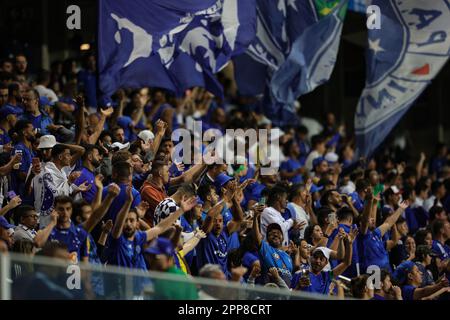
pixel 271 215
pixel 300 215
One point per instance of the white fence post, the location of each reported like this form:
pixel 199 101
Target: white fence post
pixel 5 277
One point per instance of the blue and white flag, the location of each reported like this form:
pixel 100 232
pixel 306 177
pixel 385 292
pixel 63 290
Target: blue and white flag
pixel 294 51
pixel 408 51
pixel 172 44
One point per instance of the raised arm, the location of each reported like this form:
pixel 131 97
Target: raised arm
pixel 185 205
pixel 256 230
pixel 238 216
pixel 116 231
pixel 392 219
pixel 208 223
pixel 80 129
pixel 104 113
pixel 100 211
pixel 420 293
pixel 348 243
pixel 76 150
pixel 190 245
pixel 368 203
pixel 42 235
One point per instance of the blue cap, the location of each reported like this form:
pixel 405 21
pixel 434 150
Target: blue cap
pixel 222 179
pixel 199 201
pixel 402 271
pixel 6 111
pixel 315 188
pixel 161 246
pixel 44 101
pixel 106 102
pixel 5 224
pixel 317 161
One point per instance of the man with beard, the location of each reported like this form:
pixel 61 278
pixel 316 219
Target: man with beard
pixel 91 161
pixel 270 252
pixel 125 244
pixel 387 291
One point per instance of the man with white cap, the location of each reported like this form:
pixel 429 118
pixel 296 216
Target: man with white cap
pixel 317 280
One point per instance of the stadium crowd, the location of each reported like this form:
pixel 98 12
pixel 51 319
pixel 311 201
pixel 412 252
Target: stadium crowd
pixel 94 182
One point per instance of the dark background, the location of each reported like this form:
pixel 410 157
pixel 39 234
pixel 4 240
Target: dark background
pixel 38 28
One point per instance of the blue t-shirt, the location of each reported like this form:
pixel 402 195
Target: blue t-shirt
pixel 408 292
pixel 292 165
pixel 75 238
pixel 4 137
pixel 442 250
pixel 40 122
pixel 87 175
pixel 187 227
pixel 374 252
pixel 139 179
pixel 17 108
pixel 272 257
pixel 352 270
pixel 119 201
pixel 378 297
pixel 248 260
pixel 233 239
pixel 27 156
pixel 214 250
pixel 127 253
pixel 320 283
pixel 358 203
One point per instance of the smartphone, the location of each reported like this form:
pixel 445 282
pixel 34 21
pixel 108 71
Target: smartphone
pixel 332 218
pixel 262 201
pixel 11 194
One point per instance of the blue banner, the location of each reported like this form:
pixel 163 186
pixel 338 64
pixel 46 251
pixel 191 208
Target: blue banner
pixel 294 52
pixel 403 57
pixel 172 44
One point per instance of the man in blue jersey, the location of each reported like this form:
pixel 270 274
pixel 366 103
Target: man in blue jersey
pixel 91 161
pixel 125 246
pixel 214 248
pixel 75 238
pixel 270 252
pixel 374 249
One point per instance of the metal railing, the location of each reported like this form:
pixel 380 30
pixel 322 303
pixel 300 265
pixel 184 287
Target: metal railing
pixel 37 277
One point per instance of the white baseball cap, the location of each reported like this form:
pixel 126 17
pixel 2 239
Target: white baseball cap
pixel 146 135
pixel 47 142
pixel 121 146
pixel 331 157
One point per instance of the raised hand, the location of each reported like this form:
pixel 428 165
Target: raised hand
pixel 85 186
pixel 352 234
pixel 142 208
pixel 199 234
pixel 74 176
pixel 107 112
pixel 129 193
pixel 113 190
pixel 79 100
pixel 15 202
pixel 161 126
pixel 308 185
pixel 274 273
pixel 98 181
pixel 256 270
pixel 404 204
pixel 299 225
pixel 187 204
pixel 107 226
pixel 54 217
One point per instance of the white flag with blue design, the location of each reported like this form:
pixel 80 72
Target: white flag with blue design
pixel 403 57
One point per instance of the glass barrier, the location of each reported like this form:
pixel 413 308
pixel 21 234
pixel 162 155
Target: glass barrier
pixel 35 277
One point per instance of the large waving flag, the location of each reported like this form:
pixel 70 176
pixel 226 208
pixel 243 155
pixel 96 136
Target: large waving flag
pixel 408 51
pixel 173 44
pixel 294 51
